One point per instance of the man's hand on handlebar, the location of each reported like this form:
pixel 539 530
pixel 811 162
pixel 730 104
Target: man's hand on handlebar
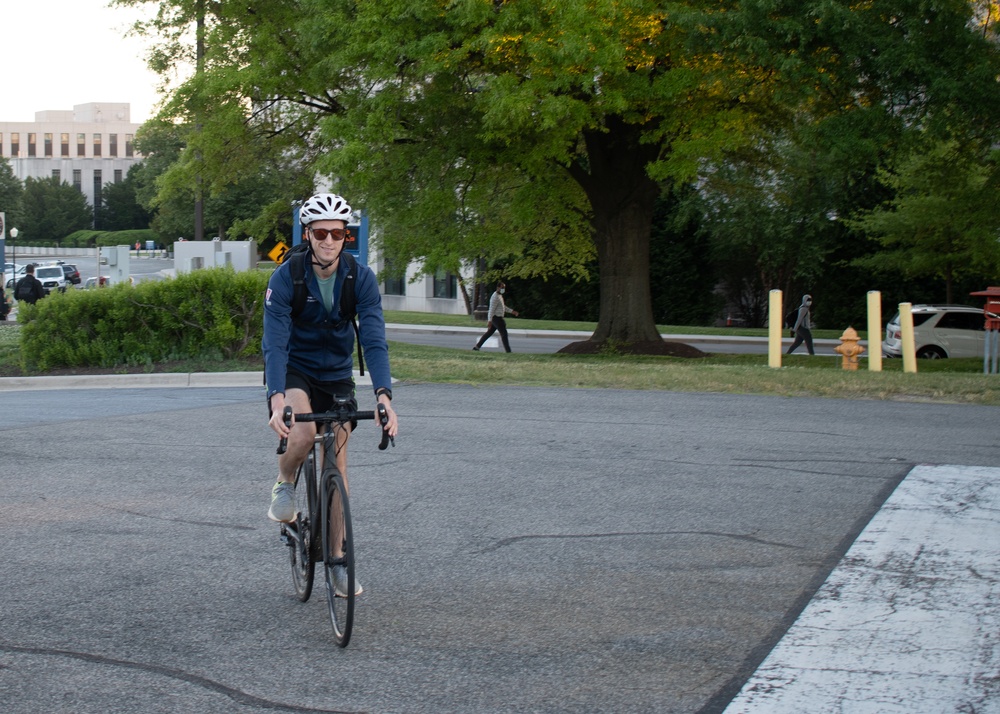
pixel 391 425
pixel 277 417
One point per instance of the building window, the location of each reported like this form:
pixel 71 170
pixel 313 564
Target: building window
pixel 78 180
pixel 445 285
pixel 81 144
pixel 64 144
pixel 97 144
pixel 118 175
pixel 393 286
pixel 112 145
pixel 1 143
pixel 48 145
pixel 15 144
pixel 97 197
pixel 128 145
pixel 57 175
pixel 31 144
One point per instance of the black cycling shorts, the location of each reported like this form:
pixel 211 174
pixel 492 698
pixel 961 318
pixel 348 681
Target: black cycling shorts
pixel 321 394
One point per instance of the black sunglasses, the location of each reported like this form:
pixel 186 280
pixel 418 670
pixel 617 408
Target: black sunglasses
pixel 321 234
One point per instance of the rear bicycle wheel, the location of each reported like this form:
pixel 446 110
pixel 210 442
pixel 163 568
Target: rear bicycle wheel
pixel 303 564
pixel 338 558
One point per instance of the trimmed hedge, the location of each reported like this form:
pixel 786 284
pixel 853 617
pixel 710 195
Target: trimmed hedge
pixel 215 312
pixel 93 239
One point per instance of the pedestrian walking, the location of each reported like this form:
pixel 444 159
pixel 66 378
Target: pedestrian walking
pixel 803 326
pixel 29 288
pixel 497 323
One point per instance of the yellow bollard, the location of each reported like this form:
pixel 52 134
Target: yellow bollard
pixel 906 336
pixel 774 327
pixel 874 331
pixel 849 349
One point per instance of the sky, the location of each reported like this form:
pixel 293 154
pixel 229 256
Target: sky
pixel 55 54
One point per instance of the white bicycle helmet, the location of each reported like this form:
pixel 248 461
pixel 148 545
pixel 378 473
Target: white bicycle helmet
pixel 324 207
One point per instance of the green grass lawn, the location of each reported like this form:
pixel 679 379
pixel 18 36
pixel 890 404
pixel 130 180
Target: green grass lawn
pixel 950 380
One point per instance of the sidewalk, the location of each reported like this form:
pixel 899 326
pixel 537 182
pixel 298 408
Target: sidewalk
pixel 582 335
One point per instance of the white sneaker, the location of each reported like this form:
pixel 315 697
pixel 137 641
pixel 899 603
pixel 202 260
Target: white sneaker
pixel 340 582
pixel 282 503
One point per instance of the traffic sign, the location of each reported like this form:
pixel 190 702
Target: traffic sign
pixel 278 253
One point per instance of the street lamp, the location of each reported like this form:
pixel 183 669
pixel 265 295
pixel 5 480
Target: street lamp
pixel 13 255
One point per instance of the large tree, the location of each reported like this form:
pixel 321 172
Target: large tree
pixel 943 219
pixel 543 133
pixel 120 209
pixel 11 190
pixel 52 209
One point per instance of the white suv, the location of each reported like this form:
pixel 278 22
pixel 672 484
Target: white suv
pixel 940 331
pixel 52 277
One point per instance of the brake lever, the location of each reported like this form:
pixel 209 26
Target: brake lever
pixel 383 418
pixel 286 416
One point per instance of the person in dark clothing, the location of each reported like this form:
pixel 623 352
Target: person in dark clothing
pixel 4 305
pixel 803 326
pixel 497 323
pixel 29 288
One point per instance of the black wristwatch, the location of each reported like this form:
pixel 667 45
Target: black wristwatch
pixel 383 390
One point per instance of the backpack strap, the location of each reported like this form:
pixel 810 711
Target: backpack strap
pixel 349 303
pixel 297 267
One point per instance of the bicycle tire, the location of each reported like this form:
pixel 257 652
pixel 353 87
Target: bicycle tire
pixel 302 561
pixel 338 511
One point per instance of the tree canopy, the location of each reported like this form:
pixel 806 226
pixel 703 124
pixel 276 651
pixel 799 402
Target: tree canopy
pixel 11 190
pixel 543 134
pixel 52 209
pixel 942 220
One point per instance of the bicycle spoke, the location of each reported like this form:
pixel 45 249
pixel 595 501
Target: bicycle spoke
pixel 339 566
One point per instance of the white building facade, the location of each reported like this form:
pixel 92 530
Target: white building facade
pixel 87 147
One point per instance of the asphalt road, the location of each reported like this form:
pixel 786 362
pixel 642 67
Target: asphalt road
pixel 522 549
pixel 549 341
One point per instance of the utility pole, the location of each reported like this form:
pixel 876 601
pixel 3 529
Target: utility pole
pixel 199 206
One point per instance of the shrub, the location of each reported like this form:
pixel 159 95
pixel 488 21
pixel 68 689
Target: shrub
pixel 206 313
pixel 92 239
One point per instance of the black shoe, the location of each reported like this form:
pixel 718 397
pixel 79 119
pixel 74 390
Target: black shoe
pixel 475 349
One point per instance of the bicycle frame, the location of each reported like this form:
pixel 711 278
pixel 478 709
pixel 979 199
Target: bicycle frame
pixel 327 531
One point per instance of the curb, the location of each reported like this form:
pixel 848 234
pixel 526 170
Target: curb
pixel 144 381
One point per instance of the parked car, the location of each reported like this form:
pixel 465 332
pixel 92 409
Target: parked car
pixel 940 331
pixel 72 274
pixel 99 282
pixel 16 274
pixel 52 277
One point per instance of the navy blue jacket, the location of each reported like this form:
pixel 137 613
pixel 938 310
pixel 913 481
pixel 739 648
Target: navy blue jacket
pixel 320 344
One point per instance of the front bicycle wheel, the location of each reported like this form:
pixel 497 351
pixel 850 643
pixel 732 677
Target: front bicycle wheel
pixel 338 557
pixel 303 565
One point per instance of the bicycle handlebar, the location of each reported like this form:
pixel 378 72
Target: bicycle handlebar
pixel 341 416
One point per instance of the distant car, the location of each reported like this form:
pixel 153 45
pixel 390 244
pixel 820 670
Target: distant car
pixel 940 331
pixel 97 282
pixel 52 277
pixel 16 275
pixel 72 274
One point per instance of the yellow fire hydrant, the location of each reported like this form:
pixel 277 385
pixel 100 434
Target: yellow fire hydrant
pixel 849 348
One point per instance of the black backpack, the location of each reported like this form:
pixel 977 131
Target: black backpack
pixel 24 290
pixel 791 318
pixel 297 259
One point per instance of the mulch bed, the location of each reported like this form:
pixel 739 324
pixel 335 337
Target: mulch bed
pixel 660 348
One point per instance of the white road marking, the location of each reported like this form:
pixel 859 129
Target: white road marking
pixel 909 621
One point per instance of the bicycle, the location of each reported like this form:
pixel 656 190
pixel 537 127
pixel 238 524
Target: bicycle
pixel 321 531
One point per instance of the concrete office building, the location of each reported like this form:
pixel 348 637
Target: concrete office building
pixel 88 147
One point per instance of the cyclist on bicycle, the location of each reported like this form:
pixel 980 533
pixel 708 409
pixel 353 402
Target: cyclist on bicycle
pixel 308 358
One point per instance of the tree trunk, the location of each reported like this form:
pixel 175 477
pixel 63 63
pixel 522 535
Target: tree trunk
pixel 622 197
